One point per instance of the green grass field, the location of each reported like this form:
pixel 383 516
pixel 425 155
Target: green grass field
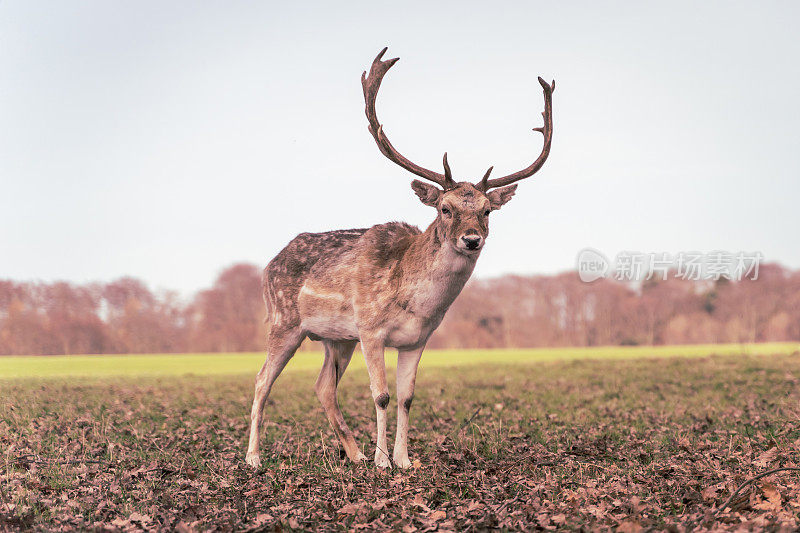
pixel 557 439
pixel 243 363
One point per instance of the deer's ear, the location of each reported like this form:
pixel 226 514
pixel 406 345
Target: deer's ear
pixel 428 194
pixel 499 197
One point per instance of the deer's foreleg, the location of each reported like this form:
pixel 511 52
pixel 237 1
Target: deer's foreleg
pixel 407 362
pixel 376 366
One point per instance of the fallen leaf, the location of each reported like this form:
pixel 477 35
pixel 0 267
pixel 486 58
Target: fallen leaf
pixel 771 494
pixel 437 515
pixel 629 526
pixel 349 509
pixel 766 458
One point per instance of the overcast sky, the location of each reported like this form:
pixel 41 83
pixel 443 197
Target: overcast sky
pixel 168 140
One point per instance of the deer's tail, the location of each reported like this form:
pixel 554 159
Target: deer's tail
pixel 268 298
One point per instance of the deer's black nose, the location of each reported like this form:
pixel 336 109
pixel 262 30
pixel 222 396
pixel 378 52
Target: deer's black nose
pixel 472 242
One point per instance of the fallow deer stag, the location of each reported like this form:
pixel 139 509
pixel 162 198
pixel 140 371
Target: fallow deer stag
pixel 387 286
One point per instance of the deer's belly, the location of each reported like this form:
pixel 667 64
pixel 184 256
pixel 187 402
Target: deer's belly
pixel 327 315
pixel 335 328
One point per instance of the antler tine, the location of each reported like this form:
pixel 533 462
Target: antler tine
pixel 546 131
pixel 483 185
pixel 371 83
pixel 448 175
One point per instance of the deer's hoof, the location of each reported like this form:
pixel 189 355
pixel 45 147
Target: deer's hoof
pixel 359 458
pixel 382 461
pixel 253 459
pixel 402 462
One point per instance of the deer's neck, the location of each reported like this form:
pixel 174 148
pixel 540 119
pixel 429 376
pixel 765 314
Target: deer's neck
pixel 433 274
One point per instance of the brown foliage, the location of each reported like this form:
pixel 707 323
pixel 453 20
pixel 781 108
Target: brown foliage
pixel 519 312
pixel 229 316
pixel 124 316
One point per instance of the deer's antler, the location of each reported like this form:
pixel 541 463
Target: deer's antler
pixel 371 84
pixel 547 131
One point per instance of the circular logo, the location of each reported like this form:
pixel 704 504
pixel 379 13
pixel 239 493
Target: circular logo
pixel 591 265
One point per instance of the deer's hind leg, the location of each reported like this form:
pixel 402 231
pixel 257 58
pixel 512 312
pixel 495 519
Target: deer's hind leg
pixel 337 357
pixel 283 342
pixel 407 363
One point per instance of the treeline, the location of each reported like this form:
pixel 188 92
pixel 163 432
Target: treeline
pixel 124 316
pixel 523 311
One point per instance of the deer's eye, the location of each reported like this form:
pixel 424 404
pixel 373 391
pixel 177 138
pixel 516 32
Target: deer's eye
pixel 445 211
pixel 486 213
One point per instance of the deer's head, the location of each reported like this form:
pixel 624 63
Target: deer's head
pixel 463 207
